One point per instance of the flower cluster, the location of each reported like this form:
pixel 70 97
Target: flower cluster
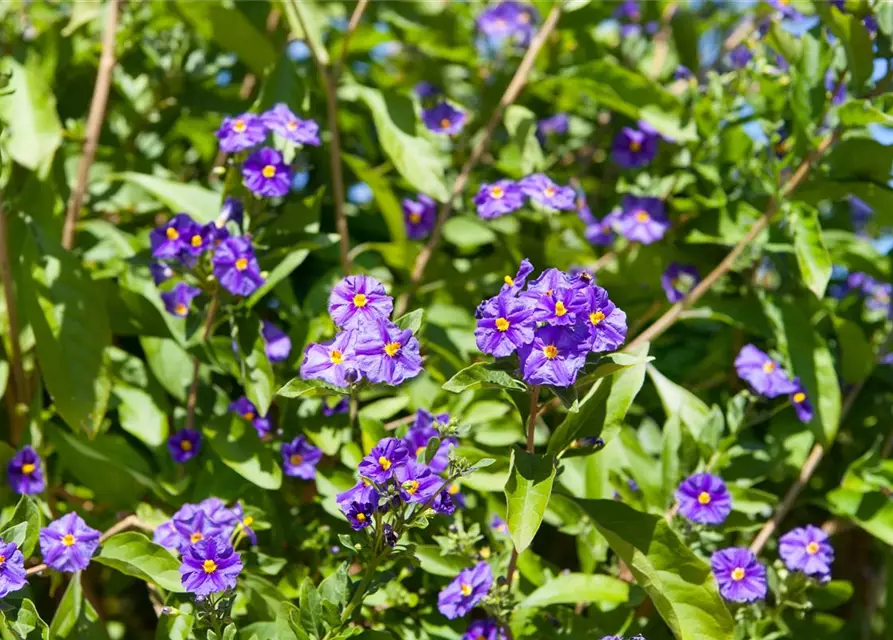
pixel 553 324
pixel 506 196
pixel 767 378
pixel 202 534
pixel 264 171
pixel 878 295
pixel 369 345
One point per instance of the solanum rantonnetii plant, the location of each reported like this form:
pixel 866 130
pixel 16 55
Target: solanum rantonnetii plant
pixel 413 320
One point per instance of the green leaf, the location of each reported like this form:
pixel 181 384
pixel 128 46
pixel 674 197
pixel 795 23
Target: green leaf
pixel 873 511
pixel 387 201
pixel 240 450
pixel 68 315
pixel 415 158
pixel 569 588
pixel 29 106
pixel 336 587
pixel 200 203
pixel 527 494
pixel 685 37
pixel 259 379
pixel 412 320
pixel 604 407
pixel 859 113
pixel 478 376
pixel 855 39
pixel 313 18
pixel 300 388
pixel 467 233
pixel 133 554
pixel 23 526
pixel 692 411
pixel 170 364
pixel 140 415
pixel 75 617
pixel 232 30
pixel 812 256
pixel 27 625
pixel 311 609
pixel 858 356
pixel 521 123
pixel 679 583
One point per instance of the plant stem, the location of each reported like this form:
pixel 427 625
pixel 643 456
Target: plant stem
pixel 17 391
pixel 192 398
pixel 531 430
pixel 357 598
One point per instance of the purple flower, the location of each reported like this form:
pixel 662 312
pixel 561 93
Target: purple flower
pixel 740 576
pixel 184 445
pixel 506 324
pixel 241 132
pixel 25 472
pixel 549 281
pixel 516 284
pixel 12 568
pixel 265 174
pixel 643 219
pixel 420 216
pixel 244 408
pixel 281 121
pixel 704 498
pixel 878 295
pixel 210 566
pixel 498 524
pixel 299 458
pixel 358 301
pixel 606 323
pixel 465 591
pixel 555 356
pixel 361 492
pixel 384 459
pixel 807 549
pixel 835 88
pixel 539 188
pixel 508 21
pixel 425 89
pixel 485 629
pixel 561 305
pixel 634 148
pixel 232 209
pixel 740 56
pixel 762 373
pixel 683 73
pixel 359 514
pixel 444 118
pixel 178 299
pixel 67 544
pixel 171 239
pixel 629 10
pixel 342 406
pixel 334 361
pixel 277 344
pixel 388 354
pixel 871 25
pixel 601 233
pixel 160 272
pixel 236 268
pixel 678 280
pixel 802 405
pixel 860 212
pixel 553 125
pixel 498 199
pixel 443 504
pixel 193 523
pixel 416 482
pixel 417 438
pixel 243 522
pixel 785 9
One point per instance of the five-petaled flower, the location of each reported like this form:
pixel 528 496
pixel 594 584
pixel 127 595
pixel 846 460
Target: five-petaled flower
pixel 740 576
pixel 763 373
pixel 184 444
pixel 384 459
pixel 806 549
pixel 281 121
pixel 178 299
pixel 465 591
pixel 505 325
pixel 25 472
pixel 265 174
pixel 334 361
pixel 498 198
pixel 555 356
pixel 236 268
pixel 67 544
pixel 299 458
pixel 210 566
pixel 12 568
pixel 358 301
pixel 539 188
pixel 642 219
pixel 704 498
pixel 444 118
pixel 241 132
pixel 388 354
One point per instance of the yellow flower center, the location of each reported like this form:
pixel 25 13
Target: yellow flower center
pixel 445 123
pixel 453 489
pixel 502 324
pixel 361 517
pixel 411 487
pixel 419 451
pixel 812 548
pixel 466 589
pixel 392 348
pixel 551 351
pixel 485 553
pixel 239 126
pixel 242 264
pixel 248 521
pixel 596 317
pixel 28 468
pixel 769 367
pixel 196 240
pixel 415 218
pixel 196 537
pixel 296 459
pixel 509 281
pixel 172 234
pixel 560 310
pixel 799 397
pixel 635 145
pixel 292 125
pixel 268 171
pixel 549 191
pixel 185 445
pixel 359 300
pixel 704 497
pixel 497 192
pixel 738 574
pixel 642 216
pixel 384 463
pixel 248 415
pixel 67 540
pixel 336 356
pixel 181 309
pixel 209 566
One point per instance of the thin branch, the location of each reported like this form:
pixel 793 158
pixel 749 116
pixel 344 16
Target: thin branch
pixel 348 34
pixel 511 94
pixel 19 387
pixel 94 122
pixel 329 81
pixel 672 315
pixel 192 398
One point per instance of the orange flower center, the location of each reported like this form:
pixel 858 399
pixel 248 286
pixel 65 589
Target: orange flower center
pixel 445 123
pixel 68 540
pixel 359 300
pixel 497 192
pixel 296 459
pixel 268 171
pixel 635 145
pixel 196 537
pixel 411 487
pixel 181 309
pixel 336 356
pixel 466 589
pixel 239 126
pixel 2 560
pixel 242 264
pixel 185 445
pixel 551 351
pixel 549 191
pixel 769 367
pixel 392 348
pixel 596 317
pixel 642 216
pixel 361 517
pixel 502 324
pixel 209 566
pixel 453 489
pixel 415 218
pixel 509 281
pixel 248 415
pixel 292 125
